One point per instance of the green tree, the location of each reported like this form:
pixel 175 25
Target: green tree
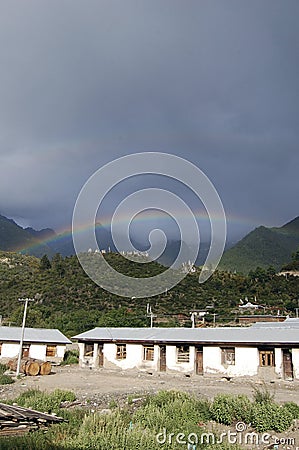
pixel 58 265
pixel 45 263
pixel 295 256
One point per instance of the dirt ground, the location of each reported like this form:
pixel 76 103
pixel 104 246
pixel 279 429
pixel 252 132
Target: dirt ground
pixel 102 384
pixel 98 390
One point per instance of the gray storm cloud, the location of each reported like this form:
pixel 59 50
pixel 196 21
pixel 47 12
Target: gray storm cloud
pixel 82 83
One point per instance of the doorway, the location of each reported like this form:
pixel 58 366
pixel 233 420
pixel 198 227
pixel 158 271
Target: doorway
pixel 287 365
pixel 100 355
pixel 198 360
pixel 162 367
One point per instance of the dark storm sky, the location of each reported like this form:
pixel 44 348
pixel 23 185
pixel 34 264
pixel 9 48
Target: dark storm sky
pixel 84 82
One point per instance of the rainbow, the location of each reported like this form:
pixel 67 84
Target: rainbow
pixel 65 235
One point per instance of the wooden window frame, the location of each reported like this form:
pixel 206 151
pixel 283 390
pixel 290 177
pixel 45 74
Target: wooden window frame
pixel 148 353
pixel 121 351
pixel 266 357
pixel 88 350
pixel 183 354
pixel 228 356
pixel 51 351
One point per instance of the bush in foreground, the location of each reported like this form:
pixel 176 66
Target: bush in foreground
pixel 167 413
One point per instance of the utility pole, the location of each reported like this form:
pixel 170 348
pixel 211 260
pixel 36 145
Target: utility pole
pixel 26 300
pixel 193 314
pixel 150 314
pixel 214 319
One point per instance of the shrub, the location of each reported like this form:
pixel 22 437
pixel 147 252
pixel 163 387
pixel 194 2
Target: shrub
pixel 163 398
pixel 293 408
pixel 5 379
pixel 226 408
pixel 262 395
pixel 70 357
pixel 270 416
pixel 172 407
pixel 3 368
pixel 242 408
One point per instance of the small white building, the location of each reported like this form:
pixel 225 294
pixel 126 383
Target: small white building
pixel 38 343
pixel 264 350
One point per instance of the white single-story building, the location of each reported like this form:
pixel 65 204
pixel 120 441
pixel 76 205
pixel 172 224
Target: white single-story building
pixel 38 343
pixel 265 350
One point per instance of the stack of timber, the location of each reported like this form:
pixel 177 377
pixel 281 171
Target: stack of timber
pixel 31 366
pixel 15 420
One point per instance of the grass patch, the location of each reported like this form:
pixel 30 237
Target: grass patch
pixel 167 413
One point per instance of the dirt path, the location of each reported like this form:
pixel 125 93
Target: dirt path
pixel 103 384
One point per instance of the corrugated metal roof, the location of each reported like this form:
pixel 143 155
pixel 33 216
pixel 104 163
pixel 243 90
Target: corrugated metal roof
pixel 52 336
pixel 288 323
pixel 227 335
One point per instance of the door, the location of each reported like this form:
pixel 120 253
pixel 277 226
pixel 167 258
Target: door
pixel 162 358
pixel 100 355
pixel 287 364
pixel 25 352
pixel 198 361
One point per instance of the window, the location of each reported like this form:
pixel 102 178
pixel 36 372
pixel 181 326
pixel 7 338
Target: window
pixel 0 348
pixel 267 358
pixel 51 350
pixel 228 356
pixel 183 354
pixel 148 353
pixel 88 350
pixel 121 351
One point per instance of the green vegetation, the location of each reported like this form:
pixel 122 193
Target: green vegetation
pixel 70 357
pixel 227 408
pixel 14 237
pixel 68 300
pixel 294 264
pixel 263 247
pixel 262 395
pixel 41 401
pixel 159 416
pixel 5 379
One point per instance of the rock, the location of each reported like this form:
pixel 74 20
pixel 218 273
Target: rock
pixel 105 411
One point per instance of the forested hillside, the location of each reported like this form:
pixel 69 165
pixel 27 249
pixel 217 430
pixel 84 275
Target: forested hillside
pixel 263 247
pixel 67 299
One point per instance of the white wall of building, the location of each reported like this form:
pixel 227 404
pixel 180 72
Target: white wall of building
pixel 246 362
pixel 36 351
pixel 295 360
pixel 133 357
pixel 212 360
pixel 246 359
pixel 142 364
pixel 9 350
pixel 171 360
pixel 278 362
pixel 61 349
pixel 82 361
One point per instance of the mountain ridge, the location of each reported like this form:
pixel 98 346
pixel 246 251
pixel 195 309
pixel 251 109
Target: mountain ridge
pixel 263 247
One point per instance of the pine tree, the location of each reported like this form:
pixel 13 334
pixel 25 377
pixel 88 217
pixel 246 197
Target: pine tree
pixel 45 263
